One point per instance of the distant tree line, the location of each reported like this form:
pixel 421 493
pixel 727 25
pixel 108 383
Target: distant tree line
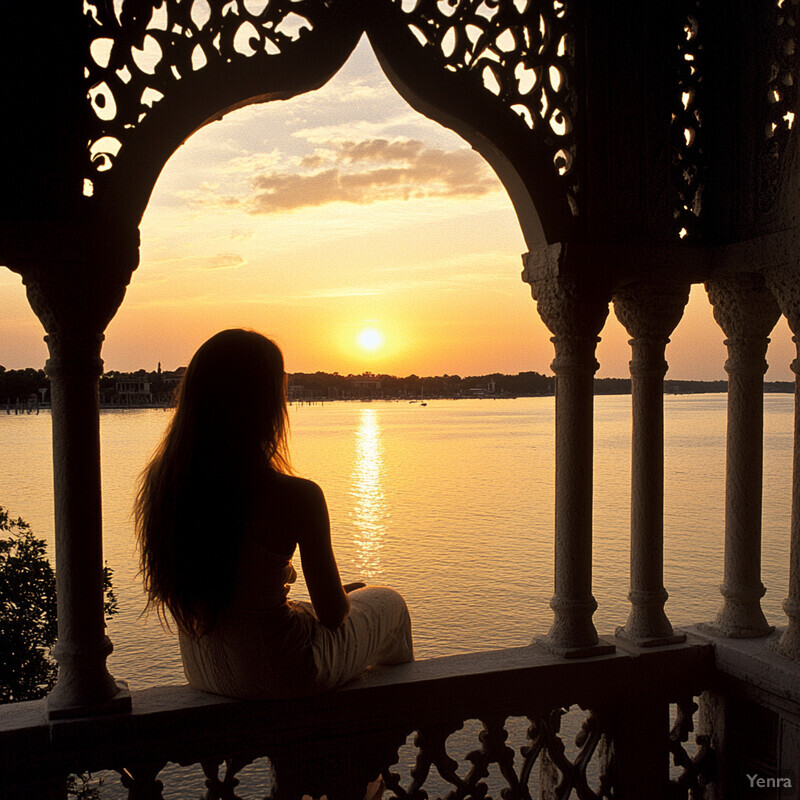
pixel 158 386
pixel 623 386
pixel 21 383
pixel 333 385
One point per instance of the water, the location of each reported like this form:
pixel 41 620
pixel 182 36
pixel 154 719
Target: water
pixel 451 504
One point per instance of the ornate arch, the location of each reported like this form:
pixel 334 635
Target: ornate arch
pixel 501 73
pixel 160 69
pixel 497 73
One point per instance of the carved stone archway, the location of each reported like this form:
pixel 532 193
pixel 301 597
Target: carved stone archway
pixel 128 81
pixel 614 134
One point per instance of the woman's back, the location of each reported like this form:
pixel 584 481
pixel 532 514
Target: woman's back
pixel 239 633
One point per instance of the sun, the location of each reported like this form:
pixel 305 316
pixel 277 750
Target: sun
pixel 370 339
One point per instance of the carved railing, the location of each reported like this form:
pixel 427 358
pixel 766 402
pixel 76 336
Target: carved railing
pixel 519 741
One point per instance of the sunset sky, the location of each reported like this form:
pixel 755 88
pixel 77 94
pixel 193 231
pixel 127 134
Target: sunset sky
pixel 338 212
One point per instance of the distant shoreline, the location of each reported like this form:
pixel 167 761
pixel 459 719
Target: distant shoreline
pixel 26 391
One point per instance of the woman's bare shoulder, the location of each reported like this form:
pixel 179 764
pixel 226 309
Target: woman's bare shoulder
pixel 296 490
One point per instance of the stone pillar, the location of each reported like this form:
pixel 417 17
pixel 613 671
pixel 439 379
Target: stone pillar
pixel 785 285
pixel 575 315
pixel 75 311
pixel 649 311
pixel 74 368
pixel 641 749
pixel 746 311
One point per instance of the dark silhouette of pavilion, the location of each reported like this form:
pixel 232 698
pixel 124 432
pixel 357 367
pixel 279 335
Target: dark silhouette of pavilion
pixel 645 146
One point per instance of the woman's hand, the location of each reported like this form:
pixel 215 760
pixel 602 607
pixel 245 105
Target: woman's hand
pixel 351 587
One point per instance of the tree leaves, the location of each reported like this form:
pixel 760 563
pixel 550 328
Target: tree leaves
pixel 28 612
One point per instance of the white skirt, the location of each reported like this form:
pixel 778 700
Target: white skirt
pixel 292 654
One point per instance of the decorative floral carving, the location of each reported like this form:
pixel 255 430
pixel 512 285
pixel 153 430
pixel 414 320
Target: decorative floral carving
pixel 142 782
pixel 746 311
pixel 223 789
pixel 139 49
pixel 784 283
pixel 545 747
pixel 688 160
pixel 563 770
pixel 651 309
pixel 780 97
pixel 519 50
pixel 696 769
pixel 570 309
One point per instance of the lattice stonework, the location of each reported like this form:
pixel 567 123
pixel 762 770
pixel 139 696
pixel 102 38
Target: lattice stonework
pixel 564 754
pixel 521 51
pixel 687 145
pixel 694 763
pixel 138 50
pixel 780 97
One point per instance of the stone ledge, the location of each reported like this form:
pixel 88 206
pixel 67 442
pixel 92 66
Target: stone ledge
pixel 755 669
pixel 184 725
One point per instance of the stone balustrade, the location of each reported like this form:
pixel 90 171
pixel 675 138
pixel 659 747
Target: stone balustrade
pixel 336 742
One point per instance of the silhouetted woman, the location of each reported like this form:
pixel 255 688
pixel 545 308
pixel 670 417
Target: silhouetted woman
pixel 219 516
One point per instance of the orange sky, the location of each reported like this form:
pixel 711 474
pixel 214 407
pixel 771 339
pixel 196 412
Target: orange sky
pixel 318 217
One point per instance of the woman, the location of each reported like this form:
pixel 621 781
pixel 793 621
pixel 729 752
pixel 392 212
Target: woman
pixel 219 516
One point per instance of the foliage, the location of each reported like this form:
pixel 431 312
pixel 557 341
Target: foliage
pixel 20 383
pixel 28 625
pixel 325 385
pixel 28 612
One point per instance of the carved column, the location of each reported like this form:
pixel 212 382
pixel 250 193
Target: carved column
pixel 785 285
pixel 649 311
pixel 575 315
pixel 746 311
pixel 75 311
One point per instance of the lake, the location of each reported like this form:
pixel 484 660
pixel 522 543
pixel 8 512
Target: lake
pixel 451 504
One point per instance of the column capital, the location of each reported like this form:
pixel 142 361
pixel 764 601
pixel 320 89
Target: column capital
pixel 747 311
pixel 744 307
pixel 74 299
pixel 784 283
pixel 650 310
pixel 570 308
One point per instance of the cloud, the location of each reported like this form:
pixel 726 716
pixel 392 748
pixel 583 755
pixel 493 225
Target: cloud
pixel 220 261
pixel 340 130
pixel 188 262
pixel 254 161
pixel 240 235
pixel 369 171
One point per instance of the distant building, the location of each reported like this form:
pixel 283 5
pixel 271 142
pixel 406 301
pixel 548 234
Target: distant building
pixel 133 392
pixel 489 391
pixel 366 385
pixel 172 380
pixel 296 391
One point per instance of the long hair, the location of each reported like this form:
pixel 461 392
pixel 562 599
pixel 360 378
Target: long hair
pixel 196 495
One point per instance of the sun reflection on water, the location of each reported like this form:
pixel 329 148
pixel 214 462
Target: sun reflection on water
pixel 369 509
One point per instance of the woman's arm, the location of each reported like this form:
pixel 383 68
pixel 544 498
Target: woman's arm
pixel 319 564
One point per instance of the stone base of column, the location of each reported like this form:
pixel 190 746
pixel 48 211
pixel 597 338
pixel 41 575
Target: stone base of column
pixel 647 624
pixel 573 634
pixel 117 703
pixel 788 645
pixel 84 686
pixel 739 620
pixel 648 641
pixel 602 647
